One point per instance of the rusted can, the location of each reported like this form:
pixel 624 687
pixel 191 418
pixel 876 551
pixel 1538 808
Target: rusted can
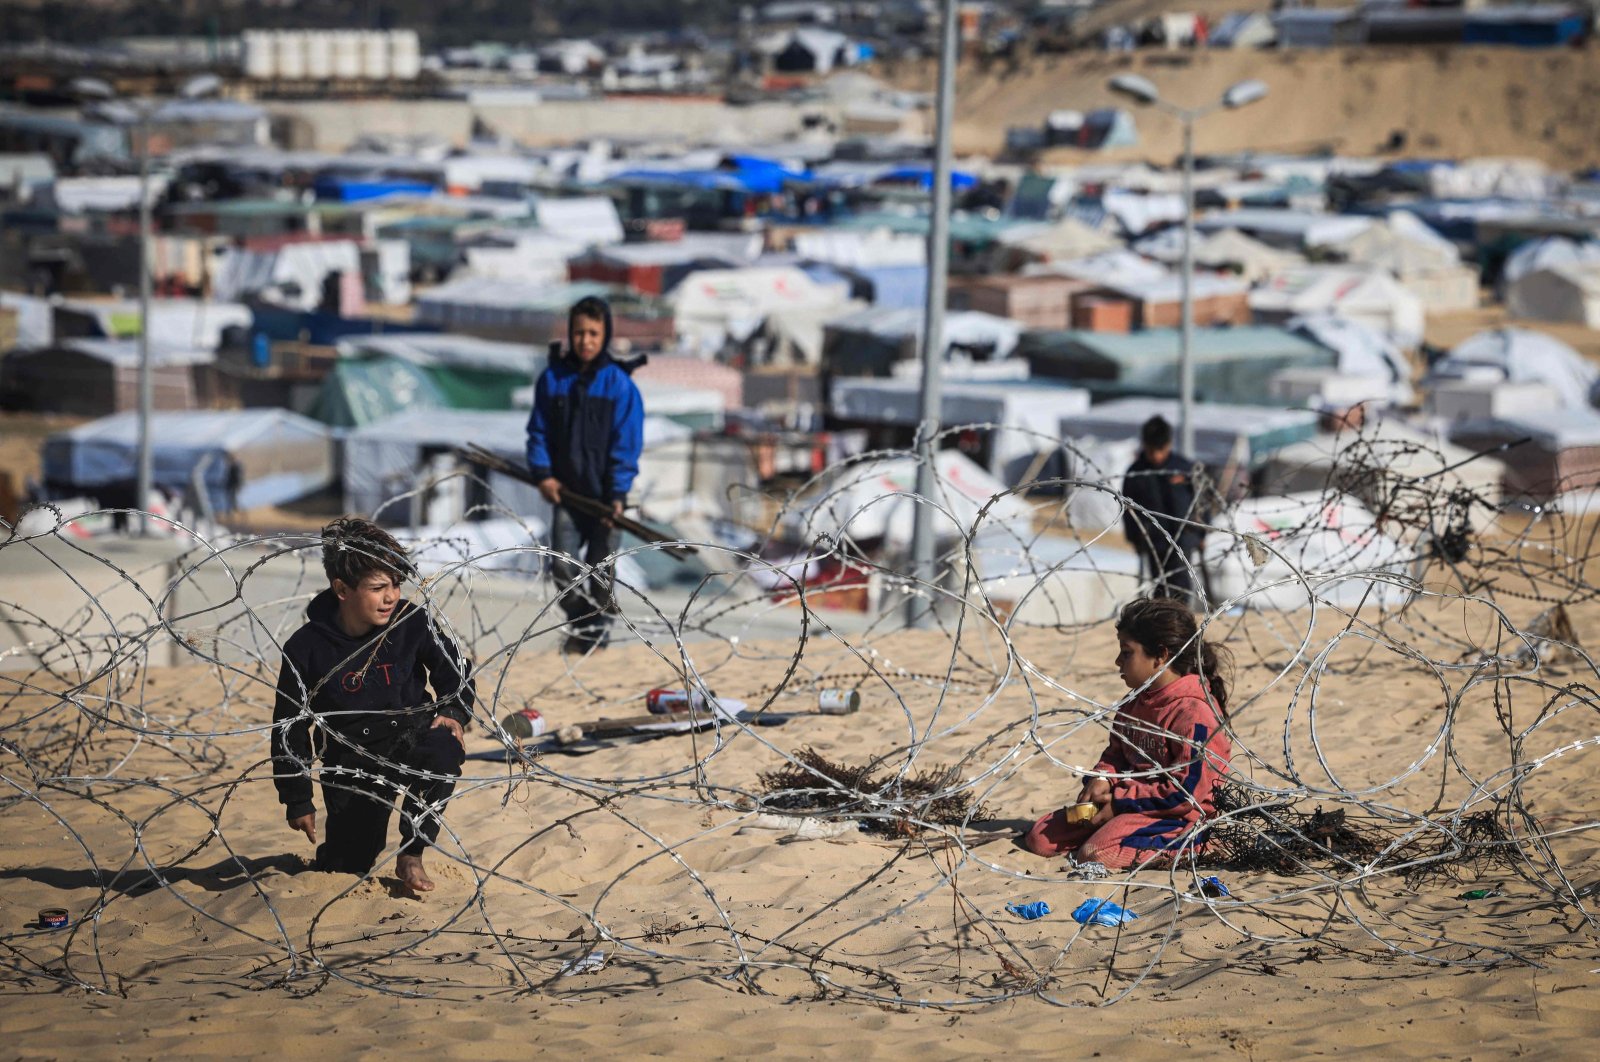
pixel 524 724
pixel 838 701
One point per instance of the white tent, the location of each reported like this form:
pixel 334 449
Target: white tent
pixel 712 305
pixel 1025 415
pixel 1519 355
pixel 1426 263
pixel 1369 296
pixel 1225 249
pixel 1050 580
pixel 294 272
pixel 1568 292
pixel 874 499
pixel 1361 351
pixel 1398 455
pixel 1304 546
pixel 1547 253
pixel 1109 267
pixel 195 324
pixel 584 220
pixel 1063 240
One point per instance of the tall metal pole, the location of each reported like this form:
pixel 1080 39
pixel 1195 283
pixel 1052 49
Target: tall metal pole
pixel 146 385
pixel 918 614
pixel 1186 295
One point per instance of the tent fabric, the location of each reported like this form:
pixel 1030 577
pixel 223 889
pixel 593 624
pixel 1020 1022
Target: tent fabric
pixel 1568 292
pixel 1520 355
pixel 1226 249
pixel 1370 296
pixel 1331 542
pixel 281 455
pixel 36 322
pixel 1360 350
pixel 1403 244
pixel 1110 267
pixel 1066 239
pixel 1026 416
pixel 1397 453
pixel 1548 253
pixel 712 305
pixel 586 220
pixel 873 500
pixel 870 341
pixel 124 353
pixel 174 323
pixel 245 272
pixel 380 375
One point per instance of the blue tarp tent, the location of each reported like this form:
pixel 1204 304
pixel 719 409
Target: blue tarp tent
pixel 280 455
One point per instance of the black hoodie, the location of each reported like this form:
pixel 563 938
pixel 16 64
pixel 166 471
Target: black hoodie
pixel 370 691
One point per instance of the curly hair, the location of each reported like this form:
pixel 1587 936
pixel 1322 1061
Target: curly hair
pixel 1165 626
pixel 353 548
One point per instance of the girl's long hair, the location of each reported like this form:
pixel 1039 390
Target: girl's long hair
pixel 1164 626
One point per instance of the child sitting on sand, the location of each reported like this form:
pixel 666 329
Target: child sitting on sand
pixel 1168 749
pixel 354 676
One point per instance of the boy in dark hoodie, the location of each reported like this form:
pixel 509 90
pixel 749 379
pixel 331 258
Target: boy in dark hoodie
pixel 352 692
pixel 584 436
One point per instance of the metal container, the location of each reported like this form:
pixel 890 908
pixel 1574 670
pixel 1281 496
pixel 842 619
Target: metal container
pixel 666 702
pixel 1080 814
pixel 53 917
pixel 524 724
pixel 838 701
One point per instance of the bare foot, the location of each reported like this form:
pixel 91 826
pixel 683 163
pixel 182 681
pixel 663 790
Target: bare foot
pixel 408 868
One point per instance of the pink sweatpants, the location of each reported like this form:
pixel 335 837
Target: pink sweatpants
pixel 1127 840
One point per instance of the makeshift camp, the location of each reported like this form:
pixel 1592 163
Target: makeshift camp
pixel 1370 296
pixel 1230 364
pixel 1225 435
pixel 872 502
pixel 94 377
pixel 1293 230
pixel 583 220
pixel 290 275
pixel 1040 301
pixel 1519 355
pixel 1018 420
pixel 175 324
pixel 522 311
pixel 1566 292
pixel 1283 552
pixel 274 455
pixel 713 306
pixel 1547 253
pixel 1550 453
pixel 1425 263
pixel 871 342
pixel 1062 240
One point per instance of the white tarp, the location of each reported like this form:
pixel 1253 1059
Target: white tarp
pixel 1051 580
pixel 36 319
pixel 1519 355
pixel 174 323
pixel 712 305
pixel 1111 267
pixel 584 220
pixel 530 258
pixel 972 329
pixel 449 350
pixel 1361 351
pixel 1300 547
pixel 874 499
pixel 1395 451
pixel 1547 253
pixel 1067 239
pixel 1402 244
pixel 1227 249
pixel 81 195
pixel 861 248
pixel 1025 417
pixel 293 273
pixel 1369 296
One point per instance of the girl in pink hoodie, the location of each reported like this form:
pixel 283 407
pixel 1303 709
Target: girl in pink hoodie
pixel 1168 749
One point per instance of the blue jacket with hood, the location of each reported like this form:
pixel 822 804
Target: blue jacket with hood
pixel 587 425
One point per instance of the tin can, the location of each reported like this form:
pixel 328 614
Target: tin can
pixel 838 701
pixel 53 917
pixel 666 702
pixel 524 724
pixel 1078 814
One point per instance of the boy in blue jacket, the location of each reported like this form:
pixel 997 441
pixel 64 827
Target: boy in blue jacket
pixel 352 692
pixel 584 436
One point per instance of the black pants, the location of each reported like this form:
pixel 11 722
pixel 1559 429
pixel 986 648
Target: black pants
pixel 1169 572
pixel 357 826
pixel 585 595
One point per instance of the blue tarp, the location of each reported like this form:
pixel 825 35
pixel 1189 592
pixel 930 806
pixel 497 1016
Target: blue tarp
pixel 322 329
pixel 922 177
pixel 763 175
pixel 1527 27
pixel 359 189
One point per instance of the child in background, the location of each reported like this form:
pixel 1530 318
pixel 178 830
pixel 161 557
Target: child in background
pixel 357 674
pixel 1168 750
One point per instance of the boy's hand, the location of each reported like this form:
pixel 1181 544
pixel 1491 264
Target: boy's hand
pixel 452 726
pixel 550 490
pixel 1096 791
pixel 306 824
pixel 616 511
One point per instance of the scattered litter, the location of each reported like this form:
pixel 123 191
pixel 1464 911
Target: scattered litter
pixel 1213 887
pixel 804 827
pixel 1029 911
pixel 53 918
pixel 1481 894
pixel 590 963
pixel 1088 871
pixel 1102 913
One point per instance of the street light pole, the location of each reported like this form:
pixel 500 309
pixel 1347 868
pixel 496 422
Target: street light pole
pixel 145 464
pixel 1238 95
pixel 933 321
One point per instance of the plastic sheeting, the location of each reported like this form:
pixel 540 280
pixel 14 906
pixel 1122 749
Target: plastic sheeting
pixel 1361 351
pixel 1370 296
pixel 1518 355
pixel 174 323
pixel 244 272
pixel 281 455
pixel 1547 253
pixel 1221 432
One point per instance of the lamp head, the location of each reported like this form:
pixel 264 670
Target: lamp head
pixel 1135 88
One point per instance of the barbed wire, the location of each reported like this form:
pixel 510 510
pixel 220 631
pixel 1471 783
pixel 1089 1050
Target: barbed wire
pixel 136 703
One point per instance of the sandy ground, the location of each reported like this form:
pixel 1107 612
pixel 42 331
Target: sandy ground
pixel 1453 102
pixel 140 804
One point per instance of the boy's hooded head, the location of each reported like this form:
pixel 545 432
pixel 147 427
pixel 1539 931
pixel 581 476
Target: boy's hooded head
pixel 589 329
pixel 365 566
